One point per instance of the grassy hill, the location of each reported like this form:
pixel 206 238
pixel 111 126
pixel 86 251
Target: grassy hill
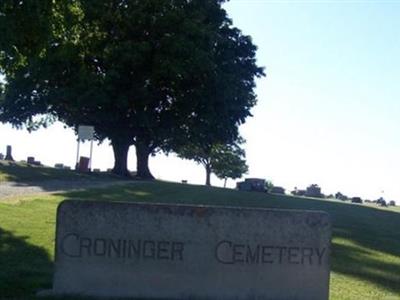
pixel 23 172
pixel 366 240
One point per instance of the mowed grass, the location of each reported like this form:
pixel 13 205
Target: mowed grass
pixel 22 173
pixel 366 240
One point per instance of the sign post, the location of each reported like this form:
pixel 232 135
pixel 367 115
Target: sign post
pixel 85 132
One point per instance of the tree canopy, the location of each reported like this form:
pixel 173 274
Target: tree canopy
pixel 229 162
pixel 153 74
pixel 224 160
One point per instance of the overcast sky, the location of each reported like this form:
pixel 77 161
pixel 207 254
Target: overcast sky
pixel 327 112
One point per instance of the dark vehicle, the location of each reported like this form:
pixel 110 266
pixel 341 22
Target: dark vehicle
pixel 356 200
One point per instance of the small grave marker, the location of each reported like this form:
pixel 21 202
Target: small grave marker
pixel 9 153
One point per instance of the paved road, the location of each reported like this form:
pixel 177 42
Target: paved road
pixel 9 189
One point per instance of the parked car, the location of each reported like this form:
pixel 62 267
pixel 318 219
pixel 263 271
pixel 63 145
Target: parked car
pixel 356 200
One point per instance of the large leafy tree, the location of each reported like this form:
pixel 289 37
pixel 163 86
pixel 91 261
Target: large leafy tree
pixel 153 74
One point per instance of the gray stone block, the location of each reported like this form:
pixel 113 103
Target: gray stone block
pixel 190 252
pixel 9 153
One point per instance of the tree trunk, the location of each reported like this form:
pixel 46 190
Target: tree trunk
pixel 120 158
pixel 142 161
pixel 208 174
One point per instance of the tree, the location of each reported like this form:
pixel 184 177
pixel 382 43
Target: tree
pixel 340 196
pixel 225 161
pixel 269 185
pixel 229 162
pixel 153 74
pixel 314 190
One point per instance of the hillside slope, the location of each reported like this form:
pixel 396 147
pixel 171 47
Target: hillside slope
pixel 366 240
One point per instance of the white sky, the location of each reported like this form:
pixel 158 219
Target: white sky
pixel 328 111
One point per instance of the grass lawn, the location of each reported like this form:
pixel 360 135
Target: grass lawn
pixel 23 172
pixel 366 240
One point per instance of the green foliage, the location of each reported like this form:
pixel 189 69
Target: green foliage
pixel 228 162
pixel 225 161
pixel 153 74
pixel 268 185
pixel 2 92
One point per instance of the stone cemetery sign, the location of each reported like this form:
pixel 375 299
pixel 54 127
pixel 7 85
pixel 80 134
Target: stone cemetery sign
pixel 190 252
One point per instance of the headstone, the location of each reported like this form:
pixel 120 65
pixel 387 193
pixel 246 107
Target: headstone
pixel 83 164
pixel 59 166
pixel 1 156
pixel 257 184
pixel 30 160
pixel 157 251
pixel 37 163
pixel 9 153
pixel 277 190
pixel 243 186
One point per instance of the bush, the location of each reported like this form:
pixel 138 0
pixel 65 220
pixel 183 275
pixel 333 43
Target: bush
pixel 314 191
pixel 340 196
pixel 381 202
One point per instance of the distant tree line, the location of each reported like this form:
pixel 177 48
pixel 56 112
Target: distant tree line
pixel 312 191
pixel 315 191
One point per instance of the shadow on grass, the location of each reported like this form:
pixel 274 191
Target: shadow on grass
pixel 355 262
pixel 24 268
pixel 48 179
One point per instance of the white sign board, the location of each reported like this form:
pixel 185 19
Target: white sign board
pixel 85 132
